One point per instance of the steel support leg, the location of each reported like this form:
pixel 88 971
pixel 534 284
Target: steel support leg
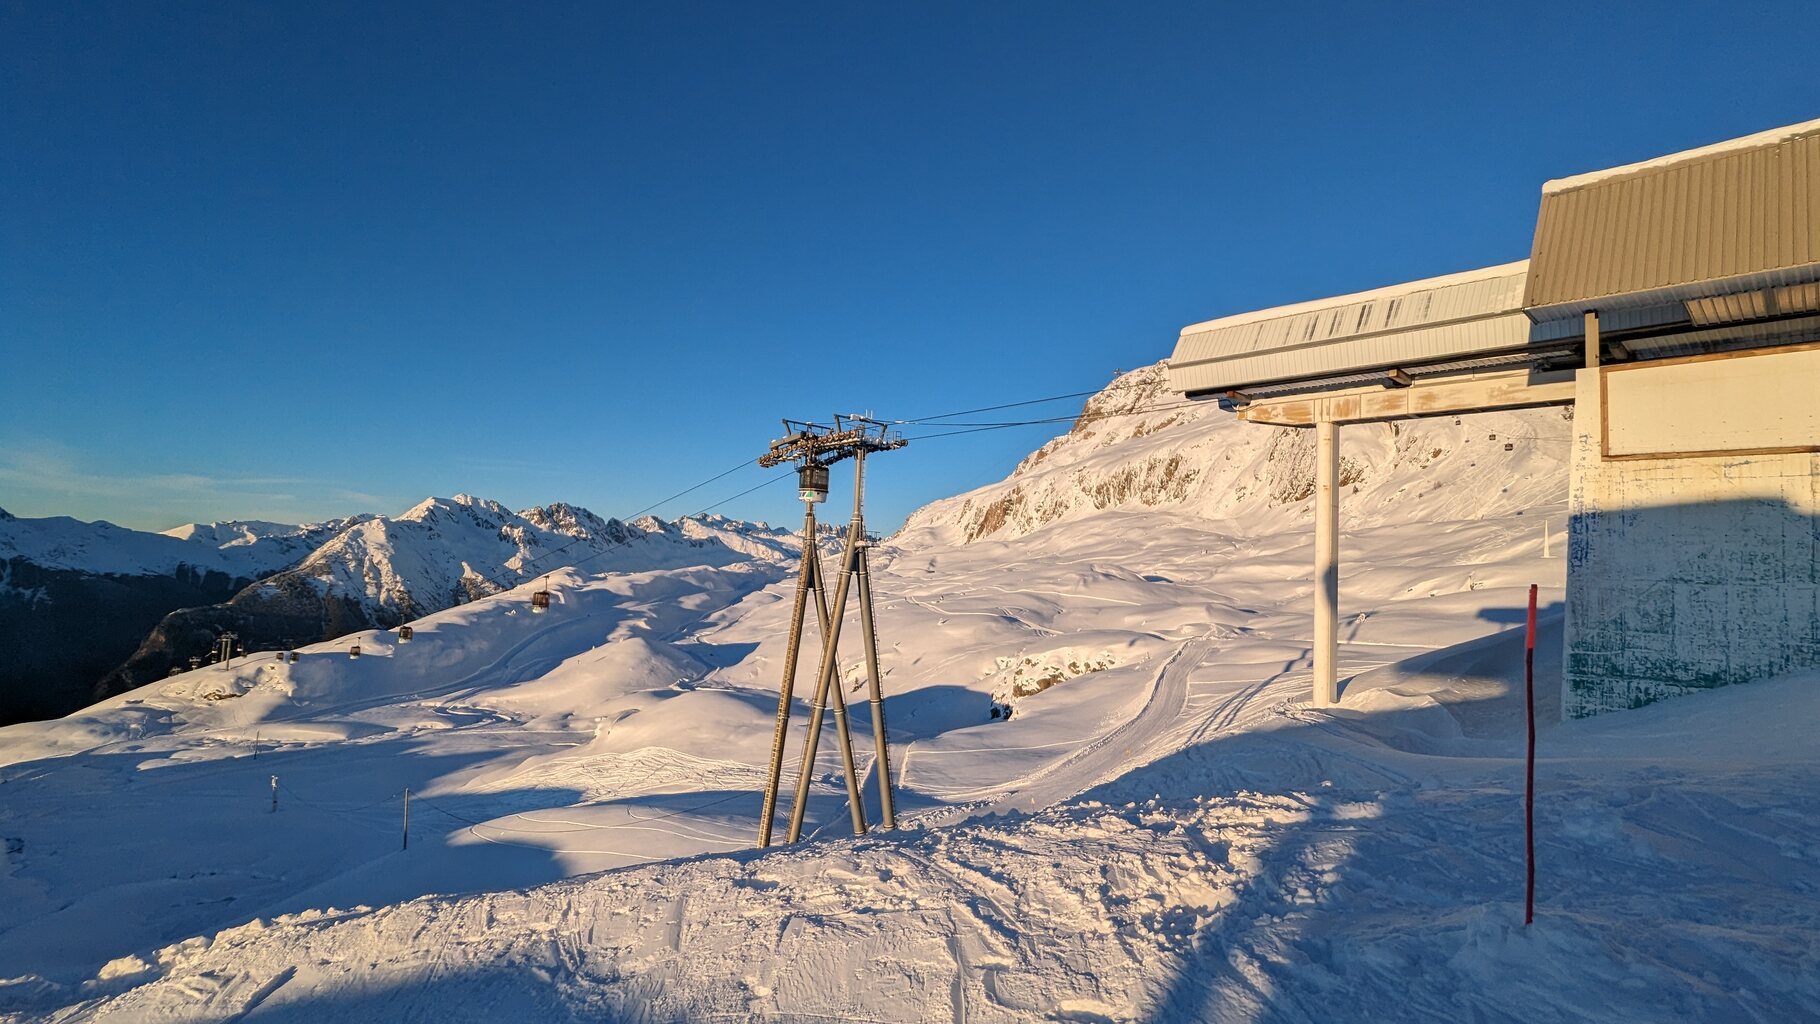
pixel 1326 563
pixel 843 734
pixel 829 669
pixel 805 583
pixel 887 810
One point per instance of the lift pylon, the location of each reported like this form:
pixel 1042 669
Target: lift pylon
pixel 813 445
pixel 801 446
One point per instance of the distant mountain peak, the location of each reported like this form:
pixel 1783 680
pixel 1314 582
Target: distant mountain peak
pixel 433 508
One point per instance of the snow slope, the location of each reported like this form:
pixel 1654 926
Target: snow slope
pixel 1310 867
pixel 1161 831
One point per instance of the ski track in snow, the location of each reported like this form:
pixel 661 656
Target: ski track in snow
pixel 1173 837
pixel 1169 692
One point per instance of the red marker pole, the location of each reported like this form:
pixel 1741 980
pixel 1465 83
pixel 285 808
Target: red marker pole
pixel 1529 792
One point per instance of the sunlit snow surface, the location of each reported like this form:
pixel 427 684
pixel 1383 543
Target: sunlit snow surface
pixel 1167 833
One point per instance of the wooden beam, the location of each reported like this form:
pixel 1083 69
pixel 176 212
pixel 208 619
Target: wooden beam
pixel 1592 339
pixel 1480 392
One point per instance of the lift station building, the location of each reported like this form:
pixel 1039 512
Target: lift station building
pixel 1675 304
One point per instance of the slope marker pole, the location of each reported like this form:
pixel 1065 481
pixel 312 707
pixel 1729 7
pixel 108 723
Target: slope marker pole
pixel 1529 788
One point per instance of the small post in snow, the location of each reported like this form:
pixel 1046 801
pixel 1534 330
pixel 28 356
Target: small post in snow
pixel 1529 789
pixel 1545 540
pixel 274 794
pixel 255 744
pixel 407 819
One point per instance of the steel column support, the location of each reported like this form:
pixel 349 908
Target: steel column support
pixel 843 734
pixel 829 669
pixel 887 806
pixel 1326 563
pixel 805 582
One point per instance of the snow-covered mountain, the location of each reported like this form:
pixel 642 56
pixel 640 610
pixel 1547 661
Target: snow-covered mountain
pixel 239 550
pixel 76 598
pixel 444 551
pixel 262 547
pixel 1137 447
pixel 1162 830
pixel 382 571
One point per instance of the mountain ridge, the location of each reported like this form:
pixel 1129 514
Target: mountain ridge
pixel 97 609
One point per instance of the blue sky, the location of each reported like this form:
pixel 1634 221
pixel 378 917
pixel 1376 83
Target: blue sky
pixel 294 261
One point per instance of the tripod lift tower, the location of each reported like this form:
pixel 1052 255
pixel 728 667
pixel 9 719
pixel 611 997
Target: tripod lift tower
pixel 814 448
pixel 803 443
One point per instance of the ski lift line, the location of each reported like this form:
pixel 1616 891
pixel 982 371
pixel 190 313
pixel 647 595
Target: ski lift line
pixel 1050 420
pixel 920 420
pixel 974 428
pixel 1193 403
pixel 690 490
pixel 940 421
pixel 656 504
pixel 505 577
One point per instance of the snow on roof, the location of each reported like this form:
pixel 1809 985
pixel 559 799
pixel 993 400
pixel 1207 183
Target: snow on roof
pixel 1437 318
pixel 1772 137
pixel 1389 291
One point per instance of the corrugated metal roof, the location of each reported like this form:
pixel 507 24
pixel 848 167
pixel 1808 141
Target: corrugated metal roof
pixel 1455 316
pixel 1739 216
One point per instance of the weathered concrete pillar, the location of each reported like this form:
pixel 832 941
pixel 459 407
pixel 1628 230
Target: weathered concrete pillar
pixel 1326 563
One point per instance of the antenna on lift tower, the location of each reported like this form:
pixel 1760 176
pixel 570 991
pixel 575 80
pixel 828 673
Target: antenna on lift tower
pixel 814 447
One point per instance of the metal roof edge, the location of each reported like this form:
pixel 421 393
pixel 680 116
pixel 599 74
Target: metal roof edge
pixel 1517 313
pixel 1771 277
pixel 1386 291
pixel 1771 137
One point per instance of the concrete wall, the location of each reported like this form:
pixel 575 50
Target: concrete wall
pixel 1686 572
